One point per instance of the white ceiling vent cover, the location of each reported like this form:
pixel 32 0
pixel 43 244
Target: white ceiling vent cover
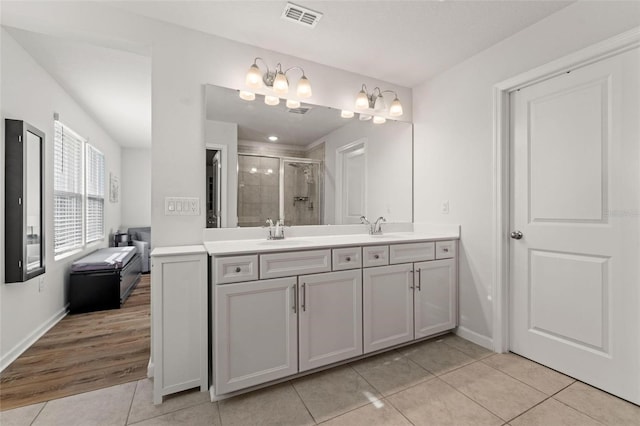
pixel 301 15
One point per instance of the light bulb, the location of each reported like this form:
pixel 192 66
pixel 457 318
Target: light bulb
pixel 379 120
pixel 271 100
pixel 304 88
pixel 362 101
pixel 293 104
pixel 280 84
pixel 346 114
pixel 273 138
pixel 253 170
pixel 254 77
pixel 364 117
pixel 247 96
pixel 380 104
pixel 396 108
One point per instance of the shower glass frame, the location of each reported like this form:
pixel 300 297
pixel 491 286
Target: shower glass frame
pixel 281 188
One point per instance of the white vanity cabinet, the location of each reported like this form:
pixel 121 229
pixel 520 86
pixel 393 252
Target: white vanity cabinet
pixel 322 305
pixel 388 306
pixel 435 297
pixel 330 318
pixel 179 349
pixel 409 300
pixel 256 333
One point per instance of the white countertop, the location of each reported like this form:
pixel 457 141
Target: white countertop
pixel 217 248
pixel 178 250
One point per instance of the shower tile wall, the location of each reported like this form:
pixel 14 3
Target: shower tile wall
pixel 258 190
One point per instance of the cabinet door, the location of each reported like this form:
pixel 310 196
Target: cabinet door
pixel 330 318
pixel 435 297
pixel 255 333
pixel 388 306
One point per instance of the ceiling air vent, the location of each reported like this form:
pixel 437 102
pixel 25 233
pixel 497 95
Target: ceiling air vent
pixel 301 15
pixel 301 110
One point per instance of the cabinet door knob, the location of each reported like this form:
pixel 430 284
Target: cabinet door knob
pixel 348 259
pixel 376 256
pixel 446 249
pixel 238 269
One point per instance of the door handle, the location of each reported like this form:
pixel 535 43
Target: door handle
pixel 419 285
pixel 516 235
pixel 304 297
pixel 295 298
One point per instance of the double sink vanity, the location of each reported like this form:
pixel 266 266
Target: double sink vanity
pixel 236 314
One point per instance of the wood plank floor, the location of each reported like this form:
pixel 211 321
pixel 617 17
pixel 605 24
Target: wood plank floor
pixel 82 353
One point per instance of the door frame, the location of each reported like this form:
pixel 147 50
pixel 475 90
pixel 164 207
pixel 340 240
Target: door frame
pixel 339 194
pixel 222 149
pixel 501 162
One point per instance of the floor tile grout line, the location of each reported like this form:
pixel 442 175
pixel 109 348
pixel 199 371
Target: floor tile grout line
pixel 574 408
pixel 433 376
pixel 302 400
pixel 529 386
pixel 541 402
pixel 135 390
pixel 399 411
pixel 38 414
pixel 219 411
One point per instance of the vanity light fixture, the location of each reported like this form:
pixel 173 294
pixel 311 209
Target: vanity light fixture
pixel 247 96
pixel 379 120
pixel 346 114
pixel 273 138
pixel 293 104
pixel 271 100
pixel 375 101
pixel 276 79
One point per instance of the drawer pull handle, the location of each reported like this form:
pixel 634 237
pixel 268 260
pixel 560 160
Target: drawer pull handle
pixel 376 256
pixel 348 259
pixel 238 269
pixel 445 249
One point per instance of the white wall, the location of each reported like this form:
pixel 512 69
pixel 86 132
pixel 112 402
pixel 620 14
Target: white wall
pixel 182 62
pixel 389 177
pixel 454 136
pixel 135 187
pixel 30 94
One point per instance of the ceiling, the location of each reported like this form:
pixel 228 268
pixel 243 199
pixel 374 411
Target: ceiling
pixel 402 42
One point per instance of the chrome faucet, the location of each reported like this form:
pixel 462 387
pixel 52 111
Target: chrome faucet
pixel 374 228
pixel 276 231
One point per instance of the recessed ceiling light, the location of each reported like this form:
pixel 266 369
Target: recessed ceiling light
pixel 273 138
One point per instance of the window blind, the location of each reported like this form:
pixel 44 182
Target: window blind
pixel 95 194
pixel 68 189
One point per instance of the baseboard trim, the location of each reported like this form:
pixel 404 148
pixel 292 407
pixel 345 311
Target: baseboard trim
pixel 478 339
pixel 150 370
pixel 33 337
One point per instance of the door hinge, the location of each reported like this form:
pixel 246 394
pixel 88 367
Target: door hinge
pixel 19 201
pixel 20 138
pixel 20 264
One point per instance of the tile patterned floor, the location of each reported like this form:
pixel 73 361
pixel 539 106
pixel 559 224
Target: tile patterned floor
pixel 445 381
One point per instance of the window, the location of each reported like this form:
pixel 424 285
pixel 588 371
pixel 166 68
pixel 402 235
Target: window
pixel 78 191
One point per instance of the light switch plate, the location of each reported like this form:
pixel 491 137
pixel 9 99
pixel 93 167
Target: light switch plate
pixel 182 206
pixel 444 207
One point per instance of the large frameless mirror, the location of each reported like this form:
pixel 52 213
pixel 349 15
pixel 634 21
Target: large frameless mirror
pixel 24 201
pixel 306 165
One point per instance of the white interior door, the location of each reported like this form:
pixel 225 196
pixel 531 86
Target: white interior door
pixel 575 184
pixel 351 183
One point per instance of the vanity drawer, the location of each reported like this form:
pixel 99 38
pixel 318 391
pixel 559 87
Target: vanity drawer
pixel 375 256
pixel 276 265
pixel 445 249
pixel 411 252
pixel 233 269
pixel 347 258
